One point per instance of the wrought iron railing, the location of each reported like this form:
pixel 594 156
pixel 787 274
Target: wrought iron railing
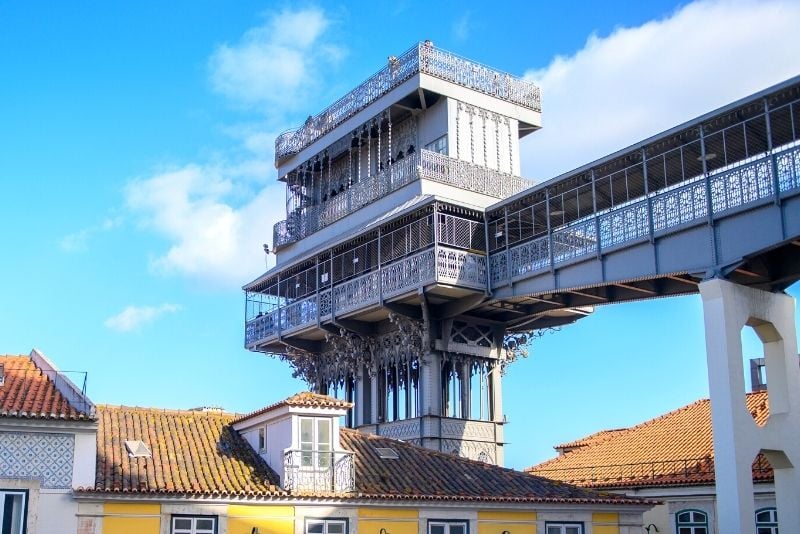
pixel 424 164
pixel 437 264
pixel 465 175
pixel 660 212
pixel 678 471
pixel 422 58
pixel 318 471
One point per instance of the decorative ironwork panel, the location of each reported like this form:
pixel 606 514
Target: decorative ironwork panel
pixel 788 169
pixel 460 268
pixel 462 174
pixel 318 471
pixel 299 314
pixel 403 429
pixel 623 224
pixel 574 241
pixel 261 328
pixel 356 293
pixel 498 265
pixel 530 256
pixel 679 206
pixel 408 273
pixel 741 185
pixel 460 232
pixel 421 58
pixel 325 304
pixel 44 457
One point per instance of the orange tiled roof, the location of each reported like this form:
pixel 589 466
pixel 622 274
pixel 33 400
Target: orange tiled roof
pixel 198 453
pixel 674 449
pixel 193 452
pixel 591 439
pixel 27 393
pixel 304 399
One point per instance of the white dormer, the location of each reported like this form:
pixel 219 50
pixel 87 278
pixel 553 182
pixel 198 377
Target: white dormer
pixel 299 440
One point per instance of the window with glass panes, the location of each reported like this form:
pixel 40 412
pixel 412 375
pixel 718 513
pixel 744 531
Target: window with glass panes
pixel 262 439
pixel 326 526
pixel 563 528
pixel 194 525
pixel 767 521
pixel 315 442
pixel 691 522
pixel 12 511
pixel 438 145
pixel 447 527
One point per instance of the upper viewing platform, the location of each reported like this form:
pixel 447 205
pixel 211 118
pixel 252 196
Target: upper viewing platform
pixel 423 59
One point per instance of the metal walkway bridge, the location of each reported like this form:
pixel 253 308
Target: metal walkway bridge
pixel 717 197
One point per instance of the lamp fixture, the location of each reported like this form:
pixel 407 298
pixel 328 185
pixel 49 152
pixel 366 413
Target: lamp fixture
pixel 556 213
pixel 707 157
pixel 499 234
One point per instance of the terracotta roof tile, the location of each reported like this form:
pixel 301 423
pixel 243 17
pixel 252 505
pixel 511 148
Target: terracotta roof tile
pixel 199 453
pixel 304 399
pixel 193 452
pixel 673 449
pixel 28 393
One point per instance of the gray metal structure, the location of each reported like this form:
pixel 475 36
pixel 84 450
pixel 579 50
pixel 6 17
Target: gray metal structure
pixel 414 262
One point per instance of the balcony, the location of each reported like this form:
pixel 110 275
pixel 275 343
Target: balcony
pixel 318 471
pixel 422 58
pixel 425 165
pixel 435 265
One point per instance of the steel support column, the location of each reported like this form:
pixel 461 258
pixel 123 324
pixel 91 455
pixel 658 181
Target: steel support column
pixel 728 308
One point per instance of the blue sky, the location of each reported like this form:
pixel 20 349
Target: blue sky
pixel 137 183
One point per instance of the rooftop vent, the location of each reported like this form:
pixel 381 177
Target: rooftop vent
pixel 138 449
pixel 387 453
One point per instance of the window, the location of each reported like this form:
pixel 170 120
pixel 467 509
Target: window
pixel 767 521
pixel 13 505
pixel 563 528
pixel 438 145
pixel 326 526
pixel 194 524
pixel 315 442
pixel 262 439
pixel 447 527
pixel 691 522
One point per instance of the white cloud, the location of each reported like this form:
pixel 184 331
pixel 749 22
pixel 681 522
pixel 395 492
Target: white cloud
pixel 639 81
pixel 461 27
pixel 134 317
pixel 271 63
pixel 79 241
pixel 214 238
pixel 217 214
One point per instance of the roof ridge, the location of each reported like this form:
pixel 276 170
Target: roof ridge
pixel 182 411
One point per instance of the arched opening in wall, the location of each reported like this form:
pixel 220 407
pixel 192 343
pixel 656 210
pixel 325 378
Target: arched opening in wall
pixel 755 376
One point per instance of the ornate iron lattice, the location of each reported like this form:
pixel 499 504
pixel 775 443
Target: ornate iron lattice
pixel 423 58
pixel 471 334
pixel 318 471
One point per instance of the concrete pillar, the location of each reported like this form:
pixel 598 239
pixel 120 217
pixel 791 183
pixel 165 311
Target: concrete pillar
pixel 727 308
pixel 466 390
pixel 374 397
pixel 358 412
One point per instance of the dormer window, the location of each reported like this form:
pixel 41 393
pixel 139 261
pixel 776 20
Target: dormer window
pixel 315 442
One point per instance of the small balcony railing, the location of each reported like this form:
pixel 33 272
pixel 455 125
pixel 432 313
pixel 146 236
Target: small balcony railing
pixel 436 264
pixel 318 471
pixel 423 58
pixel 425 164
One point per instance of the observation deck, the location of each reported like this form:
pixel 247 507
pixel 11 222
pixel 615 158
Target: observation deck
pixel 424 58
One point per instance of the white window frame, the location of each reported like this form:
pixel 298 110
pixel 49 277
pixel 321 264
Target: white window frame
pixel 193 528
pixel 325 524
pixel 262 438
pixel 438 145
pixel 23 509
pixel 694 525
pixel 562 526
pixel 315 453
pixel 769 526
pixel 447 524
